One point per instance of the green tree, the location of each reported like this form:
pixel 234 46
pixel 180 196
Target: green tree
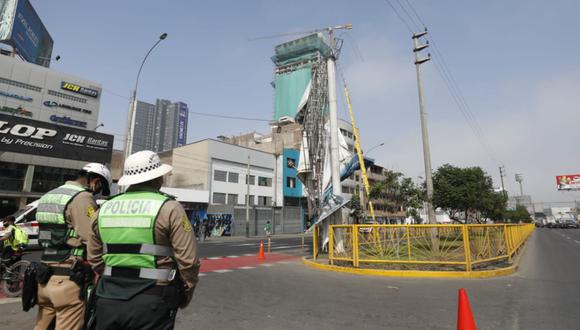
pixel 466 194
pixel 517 215
pixel 399 193
pixel 356 210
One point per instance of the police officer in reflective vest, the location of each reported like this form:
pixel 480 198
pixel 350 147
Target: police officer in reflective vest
pixel 143 245
pixel 15 239
pixel 63 216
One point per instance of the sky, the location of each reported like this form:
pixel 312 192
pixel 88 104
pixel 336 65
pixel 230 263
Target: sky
pixel 514 62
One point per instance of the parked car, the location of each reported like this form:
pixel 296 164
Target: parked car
pixel 569 223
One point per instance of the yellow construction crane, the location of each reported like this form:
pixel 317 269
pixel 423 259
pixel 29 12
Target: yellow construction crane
pixel 359 152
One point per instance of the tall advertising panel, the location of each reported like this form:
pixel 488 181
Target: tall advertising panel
pixel 568 182
pixel 182 124
pixel 21 28
pixel 27 136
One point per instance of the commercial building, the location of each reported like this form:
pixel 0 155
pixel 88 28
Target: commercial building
pixel 65 109
pixel 160 127
pixel 221 169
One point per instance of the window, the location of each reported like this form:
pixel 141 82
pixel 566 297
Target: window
pixel 252 179
pixel 220 175
pixel 290 182
pixel 290 162
pixel 65 96
pixel 264 201
pixel 264 182
pixel 232 199
pixel 251 199
pixel 233 177
pixel 219 198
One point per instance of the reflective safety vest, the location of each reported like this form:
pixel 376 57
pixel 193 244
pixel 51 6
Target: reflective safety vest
pixel 19 238
pixel 127 229
pixel 54 231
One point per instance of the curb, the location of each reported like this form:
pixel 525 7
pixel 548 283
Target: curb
pixel 419 273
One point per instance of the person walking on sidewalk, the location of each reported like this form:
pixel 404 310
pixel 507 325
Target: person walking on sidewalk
pixel 63 216
pixel 268 228
pixel 144 249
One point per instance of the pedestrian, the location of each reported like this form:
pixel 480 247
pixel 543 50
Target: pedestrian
pixel 15 239
pixel 63 216
pixel 143 247
pixel 268 228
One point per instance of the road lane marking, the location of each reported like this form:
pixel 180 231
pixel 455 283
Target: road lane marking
pixel 201 274
pixel 214 258
pixel 249 254
pixel 577 241
pixel 233 256
pixel 266 265
pixel 223 271
pixel 286 247
pixel 246 267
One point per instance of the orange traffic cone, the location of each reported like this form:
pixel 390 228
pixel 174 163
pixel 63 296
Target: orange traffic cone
pixel 261 255
pixel 465 319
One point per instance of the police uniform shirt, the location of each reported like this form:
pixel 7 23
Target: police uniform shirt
pixel 172 228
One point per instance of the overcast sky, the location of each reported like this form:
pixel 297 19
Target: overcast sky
pixel 515 62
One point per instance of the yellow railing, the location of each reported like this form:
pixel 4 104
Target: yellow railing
pixel 428 246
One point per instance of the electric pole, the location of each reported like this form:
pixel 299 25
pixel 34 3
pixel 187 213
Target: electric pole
pixel 501 176
pixel 424 132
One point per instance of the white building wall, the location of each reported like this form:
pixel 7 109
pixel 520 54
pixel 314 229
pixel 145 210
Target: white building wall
pixel 14 71
pixel 240 187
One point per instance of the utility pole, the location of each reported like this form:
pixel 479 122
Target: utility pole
pixel 424 132
pixel 248 199
pixel 501 176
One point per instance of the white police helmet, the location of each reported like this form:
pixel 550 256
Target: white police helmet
pixel 141 167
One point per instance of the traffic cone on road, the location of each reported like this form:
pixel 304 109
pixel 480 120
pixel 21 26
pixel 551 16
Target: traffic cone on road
pixel 261 255
pixel 465 319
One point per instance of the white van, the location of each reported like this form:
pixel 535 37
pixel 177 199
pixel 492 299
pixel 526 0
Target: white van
pixel 26 219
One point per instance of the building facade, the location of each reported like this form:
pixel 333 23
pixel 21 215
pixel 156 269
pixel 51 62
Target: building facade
pixel 161 126
pixel 32 92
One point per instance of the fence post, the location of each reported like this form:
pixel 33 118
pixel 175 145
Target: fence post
pixel 466 248
pixel 330 244
pixel 507 243
pixel 315 242
pixel 408 241
pixel 354 245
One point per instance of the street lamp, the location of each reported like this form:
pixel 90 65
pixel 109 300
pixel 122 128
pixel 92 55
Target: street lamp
pixel 133 105
pixel 99 125
pixel 371 149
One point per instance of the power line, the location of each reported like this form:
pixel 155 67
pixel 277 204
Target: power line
pixel 448 79
pixel 400 17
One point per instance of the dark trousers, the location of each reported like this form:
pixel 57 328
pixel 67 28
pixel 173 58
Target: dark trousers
pixel 142 312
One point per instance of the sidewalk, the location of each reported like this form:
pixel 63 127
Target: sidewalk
pixel 233 239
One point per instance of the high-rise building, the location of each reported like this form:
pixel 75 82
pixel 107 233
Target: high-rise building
pixel 159 127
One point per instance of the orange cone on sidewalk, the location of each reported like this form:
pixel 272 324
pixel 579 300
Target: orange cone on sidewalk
pixel 261 255
pixel 465 319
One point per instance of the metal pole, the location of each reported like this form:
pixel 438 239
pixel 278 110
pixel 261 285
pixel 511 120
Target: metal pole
pixel 424 131
pixel 248 199
pixel 501 175
pixel 333 113
pixel 133 105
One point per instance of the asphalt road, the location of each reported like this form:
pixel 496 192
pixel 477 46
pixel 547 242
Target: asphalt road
pixel 544 294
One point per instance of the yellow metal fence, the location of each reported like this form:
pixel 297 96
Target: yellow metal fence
pixel 431 246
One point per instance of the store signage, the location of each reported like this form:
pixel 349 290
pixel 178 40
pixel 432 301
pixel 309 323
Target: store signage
pixel 16 96
pixel 16 111
pixel 27 136
pixel 79 89
pixel 68 121
pixel 53 104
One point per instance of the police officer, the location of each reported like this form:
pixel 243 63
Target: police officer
pixel 14 240
pixel 63 217
pixel 143 246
